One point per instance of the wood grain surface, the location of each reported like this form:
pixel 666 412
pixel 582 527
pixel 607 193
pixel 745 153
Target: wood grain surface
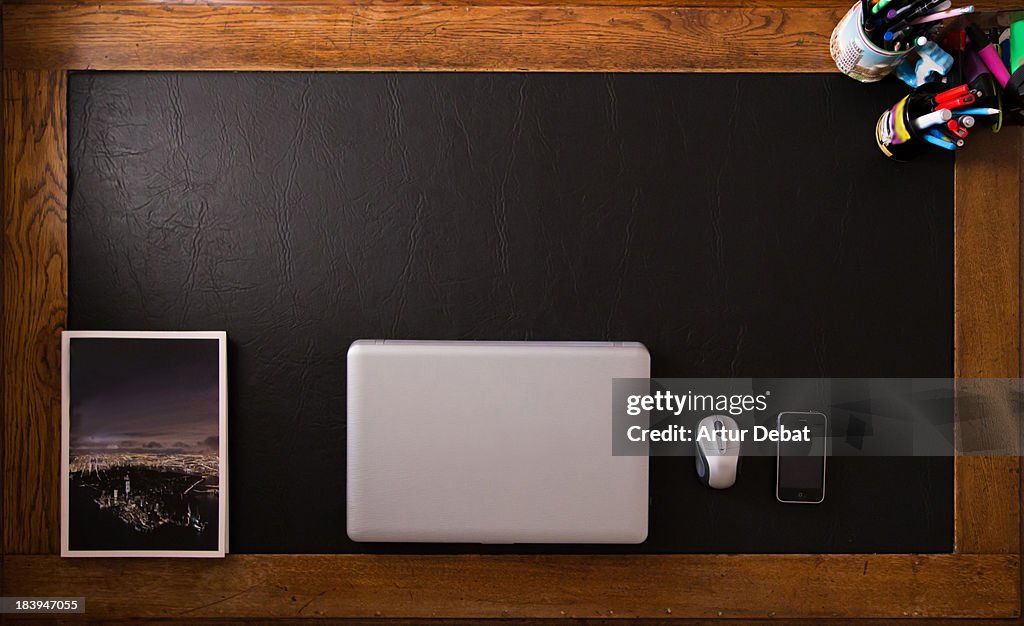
pixel 451 35
pixel 34 303
pixel 981 5
pixel 987 256
pixel 987 327
pixel 745 586
pixel 384 37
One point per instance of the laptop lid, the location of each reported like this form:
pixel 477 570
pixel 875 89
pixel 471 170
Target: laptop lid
pixel 491 442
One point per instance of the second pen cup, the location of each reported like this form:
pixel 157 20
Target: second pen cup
pixel 895 132
pixel 854 52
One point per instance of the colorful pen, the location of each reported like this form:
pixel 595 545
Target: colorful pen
pixel 892 14
pixel 881 5
pixel 942 143
pixel 942 133
pixel 900 33
pixel 923 9
pixel 942 15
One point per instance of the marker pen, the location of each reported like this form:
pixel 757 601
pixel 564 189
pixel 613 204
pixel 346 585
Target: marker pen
pixel 964 100
pixel 973 66
pixel 1017 45
pixel 952 94
pixel 932 119
pixel 988 54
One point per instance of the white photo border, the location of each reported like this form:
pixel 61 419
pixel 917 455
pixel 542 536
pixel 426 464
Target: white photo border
pixel 65 458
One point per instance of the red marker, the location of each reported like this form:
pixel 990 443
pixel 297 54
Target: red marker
pixel 963 100
pixel 953 93
pixel 956 129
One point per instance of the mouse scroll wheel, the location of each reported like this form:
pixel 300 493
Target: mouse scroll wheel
pixel 720 432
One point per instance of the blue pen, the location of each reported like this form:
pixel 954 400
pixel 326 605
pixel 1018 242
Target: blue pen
pixel 977 111
pixel 938 134
pixel 936 139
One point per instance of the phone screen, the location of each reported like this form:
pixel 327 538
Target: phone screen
pixel 801 464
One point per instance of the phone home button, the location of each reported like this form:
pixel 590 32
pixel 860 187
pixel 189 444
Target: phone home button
pixel 801 494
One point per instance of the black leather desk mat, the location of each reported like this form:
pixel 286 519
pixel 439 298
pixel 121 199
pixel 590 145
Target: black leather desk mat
pixel 739 225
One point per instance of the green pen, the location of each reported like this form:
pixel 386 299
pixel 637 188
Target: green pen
pixel 881 5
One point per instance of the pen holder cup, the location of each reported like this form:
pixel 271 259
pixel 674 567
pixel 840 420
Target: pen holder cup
pixel 854 52
pixel 896 136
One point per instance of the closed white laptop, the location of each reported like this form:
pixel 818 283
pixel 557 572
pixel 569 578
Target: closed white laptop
pixel 491 442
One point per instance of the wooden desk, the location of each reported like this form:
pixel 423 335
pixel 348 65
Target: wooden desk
pixel 43 40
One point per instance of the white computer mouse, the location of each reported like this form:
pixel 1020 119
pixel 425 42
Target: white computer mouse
pixel 718 440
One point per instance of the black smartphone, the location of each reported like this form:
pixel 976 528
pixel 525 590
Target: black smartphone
pixel 800 463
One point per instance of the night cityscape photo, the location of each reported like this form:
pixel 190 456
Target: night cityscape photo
pixel 144 444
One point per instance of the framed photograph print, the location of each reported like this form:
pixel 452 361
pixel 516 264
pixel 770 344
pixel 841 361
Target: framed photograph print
pixel 144 444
